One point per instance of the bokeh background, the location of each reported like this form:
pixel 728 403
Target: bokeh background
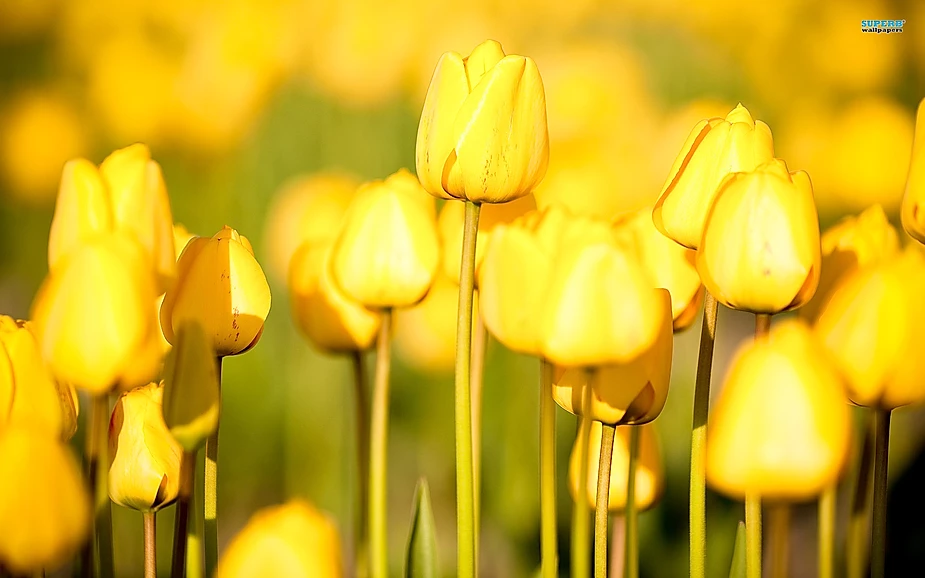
pixel 237 98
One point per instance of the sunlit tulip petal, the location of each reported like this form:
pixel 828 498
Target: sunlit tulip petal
pixel 82 211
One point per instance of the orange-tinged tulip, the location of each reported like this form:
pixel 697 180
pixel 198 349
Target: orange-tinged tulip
pixel 714 149
pixel 144 459
pixel 483 135
pixel 293 540
pixel 871 327
pixel 913 215
pixel 650 476
pixel 331 320
pixel 387 253
pixel 44 504
pixel 781 427
pixel 629 393
pixel 221 286
pixel 192 397
pixel 853 243
pixel 93 317
pixel 760 250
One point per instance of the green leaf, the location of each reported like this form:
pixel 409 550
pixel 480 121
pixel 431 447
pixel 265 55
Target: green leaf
pixel 737 570
pixel 421 560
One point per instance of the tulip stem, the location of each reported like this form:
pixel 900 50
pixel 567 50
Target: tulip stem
pixel 753 535
pixel 361 404
pixel 779 539
pixel 878 517
pixel 150 535
pixel 581 514
pixel 194 533
pixel 465 494
pixel 631 513
pixel 548 545
pixel 378 443
pixel 181 519
pixel 858 546
pixel 479 345
pixel 97 448
pixel 210 476
pixel 602 501
pixel 827 531
pixel 698 488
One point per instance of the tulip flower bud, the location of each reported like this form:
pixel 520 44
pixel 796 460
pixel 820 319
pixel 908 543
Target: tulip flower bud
pixel 913 215
pixel 714 149
pixel 331 320
pixel 781 427
pixel 483 134
pixel 293 540
pixel 144 459
pixel 192 396
pixel 853 243
pixel 760 250
pixel 387 253
pixel 650 476
pixel 44 504
pixel 871 327
pixel 93 317
pixel 27 389
pixel 221 286
pixel 630 393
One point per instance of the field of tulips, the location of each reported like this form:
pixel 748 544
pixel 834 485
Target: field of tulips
pixel 461 289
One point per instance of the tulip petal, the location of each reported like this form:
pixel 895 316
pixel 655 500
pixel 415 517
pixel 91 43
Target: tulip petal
pixel 83 210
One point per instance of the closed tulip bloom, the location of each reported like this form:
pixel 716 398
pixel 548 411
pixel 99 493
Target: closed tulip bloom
pixel 331 320
pixel 93 317
pixel 714 149
pixel 629 393
pixel 221 286
pixel 871 327
pixel 293 540
pixel 28 393
pixel 191 400
pixel 144 459
pixel 387 253
pixel 853 243
pixel 761 250
pixel 913 217
pixel 781 427
pixel 44 504
pixel 483 134
pixel 650 475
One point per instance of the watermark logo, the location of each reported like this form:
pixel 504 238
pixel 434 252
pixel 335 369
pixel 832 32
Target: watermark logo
pixel 882 26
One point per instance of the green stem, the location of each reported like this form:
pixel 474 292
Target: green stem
pixel 378 463
pixel 150 538
pixel 99 548
pixel 858 546
pixel 827 532
pixel 878 516
pixel 479 345
pixel 195 526
pixel 181 518
pixel 602 501
pixel 753 536
pixel 698 488
pixel 779 543
pixel 581 515
pixel 465 492
pixel 210 505
pixel 632 533
pixel 361 405
pixel 549 557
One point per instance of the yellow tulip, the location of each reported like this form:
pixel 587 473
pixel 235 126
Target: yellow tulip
pixel 853 243
pixel 144 459
pixel 293 540
pixel 629 393
pixel 387 253
pixel 913 217
pixel 714 149
pixel 127 194
pixel 331 320
pixel 191 396
pixel 760 250
pixel 871 327
pixel 781 427
pixel 483 135
pixel 27 389
pixel 450 226
pixel 650 476
pixel 669 266
pixel 221 286
pixel 93 317
pixel 44 504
